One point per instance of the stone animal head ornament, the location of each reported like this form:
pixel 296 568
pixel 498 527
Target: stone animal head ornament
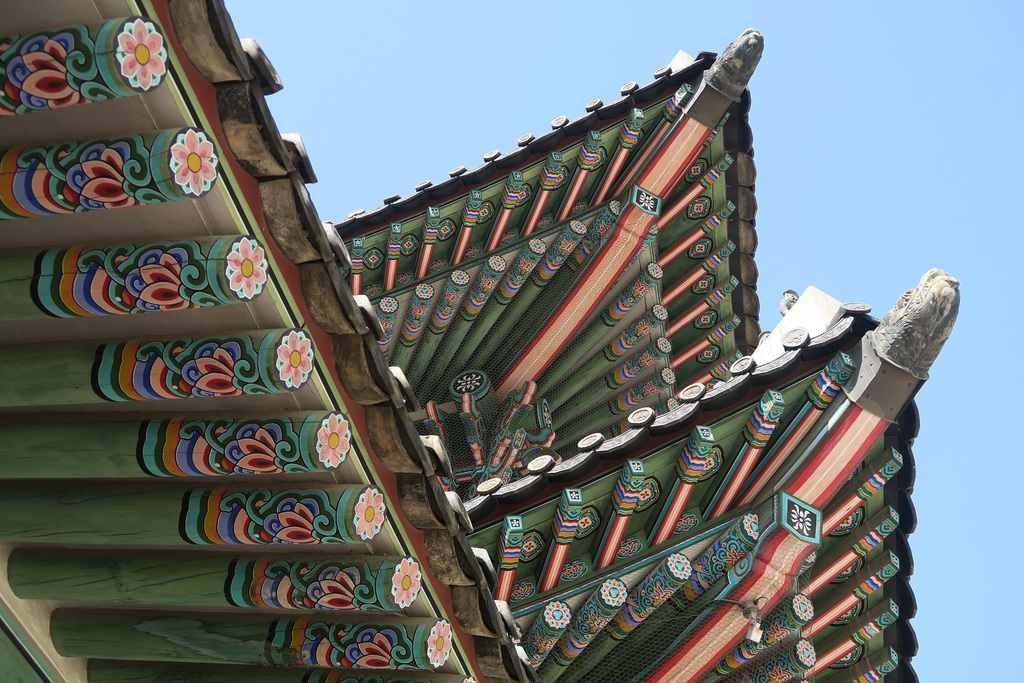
pixel 911 335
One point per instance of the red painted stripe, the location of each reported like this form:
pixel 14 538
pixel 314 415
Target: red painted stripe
pixel 672 516
pixel 690 353
pixel 535 212
pixel 572 195
pixel 505 579
pixel 555 567
pixel 424 265
pixel 460 249
pixel 828 573
pixel 609 177
pixel 740 476
pixel 780 456
pixel 618 530
pixel 499 229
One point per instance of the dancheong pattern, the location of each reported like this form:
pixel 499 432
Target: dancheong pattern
pixel 193 448
pixel 359 646
pixel 79 64
pixel 106 174
pixel 385 585
pixel 349 514
pixel 275 362
pixel 82 281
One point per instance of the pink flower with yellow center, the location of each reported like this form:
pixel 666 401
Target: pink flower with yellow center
pixel 294 359
pixel 193 162
pixel 405 582
pixel 332 440
pixel 439 643
pixel 246 268
pixel 141 54
pixel 369 513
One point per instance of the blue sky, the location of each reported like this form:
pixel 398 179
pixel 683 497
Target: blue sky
pixel 887 139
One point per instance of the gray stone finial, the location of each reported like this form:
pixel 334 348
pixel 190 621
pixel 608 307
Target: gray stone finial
pixel 913 332
pixel 734 67
pixel 789 297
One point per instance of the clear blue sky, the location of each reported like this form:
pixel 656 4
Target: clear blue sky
pixel 888 141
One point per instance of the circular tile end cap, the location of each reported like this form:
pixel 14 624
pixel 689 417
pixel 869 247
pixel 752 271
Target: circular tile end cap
pixel 641 417
pixel 590 442
pixel 857 308
pixel 540 464
pixel 797 338
pixel 692 393
pixel 743 366
pixel 489 486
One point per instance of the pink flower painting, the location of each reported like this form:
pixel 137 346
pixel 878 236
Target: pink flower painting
pixel 294 359
pixel 141 54
pixel 332 440
pixel 193 162
pixel 405 582
pixel 369 513
pixel 439 643
pixel 246 268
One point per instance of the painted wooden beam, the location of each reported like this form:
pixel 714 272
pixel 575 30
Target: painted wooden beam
pixel 756 433
pixel 854 550
pixel 820 395
pixel 670 114
pixel 856 492
pixel 74 65
pixel 586 389
pixel 413 643
pixel 276 361
pixel 549 626
pixel 339 584
pixel 167 166
pixel 112 671
pixel 445 308
pixel 515 193
pixel 553 175
pixel 601 230
pixel 200 516
pixel 510 544
pixel 602 605
pixel 387 314
pixel 560 372
pixel 625 495
pixel 785 621
pixel 176 447
pixel 117 280
pixel 431 223
pixel 630 134
pixel 394 251
pixel 856 635
pixel 563 532
pixel 696 315
pixel 853 591
pixel 590 156
pixel 430 382
pixel 698 459
pixel 709 265
pixel 707 349
pixel 779 667
pixel 700 187
pixel 356 252
pixel 415 322
pixel 669 576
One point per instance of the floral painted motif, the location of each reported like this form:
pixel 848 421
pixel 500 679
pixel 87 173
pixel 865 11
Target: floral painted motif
pixel 588 522
pixel 372 649
pixel 193 162
pixel 649 494
pixel 630 546
pixel 521 590
pixel 97 181
pixel 254 450
pixel 613 593
pixel 369 514
pixel 405 582
pixel 38 76
pixel 155 284
pixel 574 570
pixel 439 643
pixel 685 523
pixel 246 268
pixel 141 54
pixel 211 370
pixel 532 546
pixel 556 615
pixel 293 521
pixel 294 359
pixel 333 440
pixel 334 588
